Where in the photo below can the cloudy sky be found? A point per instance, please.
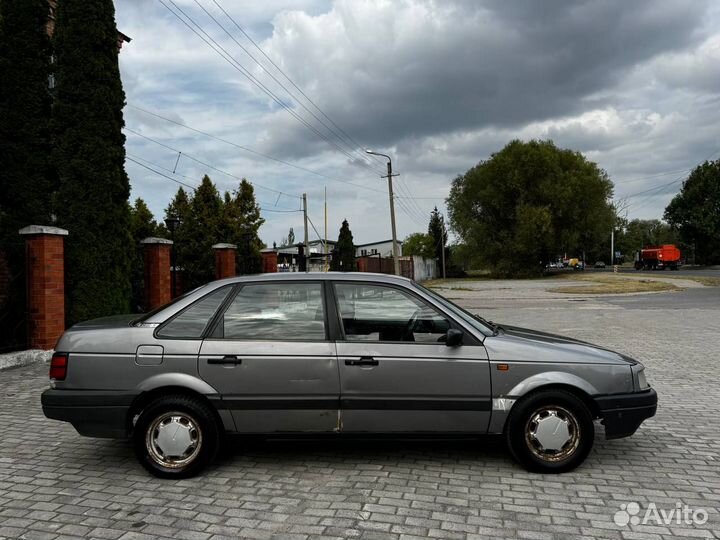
(438, 85)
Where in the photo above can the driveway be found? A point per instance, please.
(56, 484)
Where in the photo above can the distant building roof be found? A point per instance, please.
(376, 243)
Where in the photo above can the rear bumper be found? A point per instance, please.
(622, 414)
(92, 413)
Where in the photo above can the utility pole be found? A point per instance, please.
(442, 241)
(306, 251)
(612, 248)
(326, 244)
(396, 253)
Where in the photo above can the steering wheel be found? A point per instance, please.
(412, 325)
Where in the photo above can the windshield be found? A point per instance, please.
(473, 320)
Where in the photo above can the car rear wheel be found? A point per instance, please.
(176, 436)
(550, 431)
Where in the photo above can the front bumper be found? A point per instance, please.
(92, 413)
(622, 414)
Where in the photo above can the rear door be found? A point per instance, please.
(270, 358)
(397, 374)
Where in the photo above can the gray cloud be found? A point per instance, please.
(439, 85)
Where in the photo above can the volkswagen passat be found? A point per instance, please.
(303, 354)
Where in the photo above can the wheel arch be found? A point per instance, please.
(172, 384)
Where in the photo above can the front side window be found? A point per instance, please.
(191, 322)
(277, 311)
(372, 312)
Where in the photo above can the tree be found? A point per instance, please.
(142, 225)
(89, 153)
(695, 212)
(27, 180)
(246, 225)
(199, 230)
(344, 254)
(438, 234)
(419, 244)
(529, 202)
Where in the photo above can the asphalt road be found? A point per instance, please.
(693, 271)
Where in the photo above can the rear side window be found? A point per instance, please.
(191, 322)
(277, 311)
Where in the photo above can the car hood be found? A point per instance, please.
(114, 321)
(513, 343)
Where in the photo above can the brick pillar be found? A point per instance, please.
(45, 273)
(156, 256)
(225, 260)
(270, 261)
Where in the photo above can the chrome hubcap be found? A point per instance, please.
(552, 433)
(173, 440)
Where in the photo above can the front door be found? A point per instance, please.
(397, 374)
(270, 358)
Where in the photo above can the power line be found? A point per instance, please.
(161, 174)
(213, 44)
(195, 189)
(147, 161)
(289, 92)
(251, 151)
(189, 156)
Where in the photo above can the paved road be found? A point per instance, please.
(690, 271)
(56, 484)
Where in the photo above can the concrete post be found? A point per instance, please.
(225, 260)
(45, 272)
(156, 256)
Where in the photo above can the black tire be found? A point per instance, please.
(540, 405)
(195, 418)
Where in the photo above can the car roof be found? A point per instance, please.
(315, 276)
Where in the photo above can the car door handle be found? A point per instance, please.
(363, 361)
(225, 360)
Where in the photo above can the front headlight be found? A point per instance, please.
(642, 380)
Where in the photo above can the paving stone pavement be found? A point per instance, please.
(56, 484)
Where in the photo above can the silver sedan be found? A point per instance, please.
(305, 354)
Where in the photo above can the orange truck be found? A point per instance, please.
(658, 258)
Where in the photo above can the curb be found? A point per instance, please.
(24, 358)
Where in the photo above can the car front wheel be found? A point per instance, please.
(550, 431)
(176, 436)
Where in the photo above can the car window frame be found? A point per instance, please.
(211, 320)
(469, 338)
(323, 296)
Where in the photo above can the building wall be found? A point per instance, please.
(382, 249)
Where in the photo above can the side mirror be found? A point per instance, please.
(453, 338)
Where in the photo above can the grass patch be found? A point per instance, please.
(612, 285)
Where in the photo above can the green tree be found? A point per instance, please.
(142, 225)
(246, 222)
(200, 229)
(695, 212)
(438, 234)
(343, 259)
(529, 202)
(89, 153)
(26, 177)
(419, 244)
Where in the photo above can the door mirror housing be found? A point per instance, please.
(454, 337)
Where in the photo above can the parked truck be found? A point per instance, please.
(658, 258)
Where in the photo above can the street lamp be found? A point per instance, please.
(171, 223)
(396, 255)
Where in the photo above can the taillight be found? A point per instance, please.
(58, 366)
